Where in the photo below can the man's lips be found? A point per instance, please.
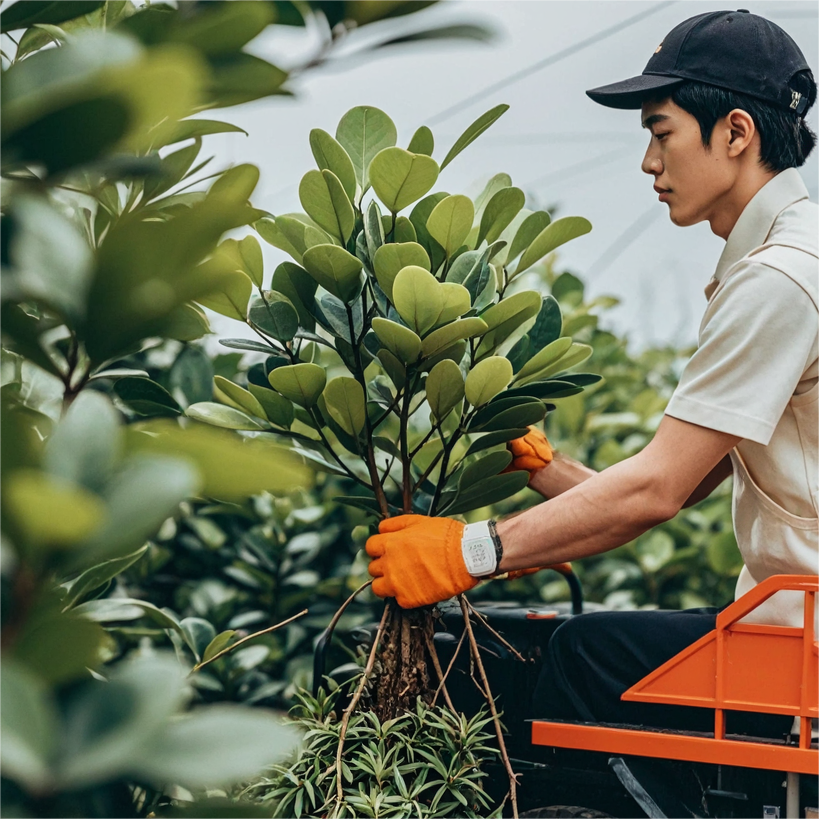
(663, 192)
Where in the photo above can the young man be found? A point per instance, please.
(724, 97)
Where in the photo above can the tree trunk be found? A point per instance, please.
(406, 671)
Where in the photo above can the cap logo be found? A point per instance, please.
(659, 48)
(795, 97)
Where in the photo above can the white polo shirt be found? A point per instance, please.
(756, 375)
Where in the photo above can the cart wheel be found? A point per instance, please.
(565, 811)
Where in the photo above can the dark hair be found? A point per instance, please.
(786, 140)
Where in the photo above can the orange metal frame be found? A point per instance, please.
(737, 666)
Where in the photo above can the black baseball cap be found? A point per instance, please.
(735, 50)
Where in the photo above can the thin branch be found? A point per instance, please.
(485, 623)
(253, 636)
(449, 667)
(336, 457)
(353, 703)
(337, 616)
(491, 702)
(439, 671)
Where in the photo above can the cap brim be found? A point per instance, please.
(631, 93)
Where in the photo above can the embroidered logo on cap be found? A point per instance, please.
(659, 48)
(795, 97)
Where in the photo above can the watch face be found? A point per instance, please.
(479, 556)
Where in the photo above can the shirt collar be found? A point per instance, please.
(755, 222)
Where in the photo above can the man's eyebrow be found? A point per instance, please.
(654, 119)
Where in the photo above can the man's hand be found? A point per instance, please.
(418, 560)
(531, 452)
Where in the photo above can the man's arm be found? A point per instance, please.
(611, 508)
(724, 469)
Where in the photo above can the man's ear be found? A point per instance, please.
(742, 129)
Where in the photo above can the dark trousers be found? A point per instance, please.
(593, 658)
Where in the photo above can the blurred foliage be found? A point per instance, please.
(110, 223)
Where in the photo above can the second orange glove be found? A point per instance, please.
(418, 560)
(531, 452)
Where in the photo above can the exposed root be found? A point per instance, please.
(491, 703)
(441, 677)
(485, 623)
(448, 669)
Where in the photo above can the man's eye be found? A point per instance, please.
(661, 136)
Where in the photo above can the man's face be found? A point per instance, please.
(691, 179)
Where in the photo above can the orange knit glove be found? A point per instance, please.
(418, 560)
(531, 452)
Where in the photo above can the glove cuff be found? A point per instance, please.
(481, 548)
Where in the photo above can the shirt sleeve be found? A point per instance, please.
(758, 336)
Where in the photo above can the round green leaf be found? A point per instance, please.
(551, 237)
(390, 259)
(444, 388)
(146, 397)
(277, 408)
(363, 132)
(487, 492)
(456, 301)
(335, 270)
(528, 231)
(219, 415)
(400, 178)
(330, 156)
(422, 142)
(232, 296)
(548, 355)
(418, 298)
(447, 335)
(404, 230)
(451, 220)
(301, 383)
(576, 354)
(275, 315)
(300, 287)
(251, 255)
(500, 211)
(393, 367)
(486, 379)
(239, 397)
(506, 316)
(344, 398)
(323, 198)
(399, 340)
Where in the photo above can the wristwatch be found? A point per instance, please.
(481, 548)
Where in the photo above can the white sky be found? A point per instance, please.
(560, 147)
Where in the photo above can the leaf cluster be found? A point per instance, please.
(423, 763)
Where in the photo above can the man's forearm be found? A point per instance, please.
(598, 513)
(562, 474)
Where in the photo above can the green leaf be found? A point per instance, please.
(300, 287)
(219, 415)
(391, 258)
(483, 467)
(373, 229)
(97, 576)
(330, 156)
(346, 405)
(399, 340)
(445, 388)
(507, 316)
(654, 549)
(277, 408)
(487, 492)
(422, 142)
(548, 325)
(723, 555)
(576, 354)
(486, 379)
(548, 355)
(500, 211)
(301, 383)
(146, 397)
(335, 270)
(404, 230)
(251, 255)
(73, 512)
(393, 367)
(363, 132)
(190, 128)
(23, 15)
(323, 198)
(237, 397)
(456, 301)
(450, 222)
(418, 217)
(30, 725)
(275, 315)
(232, 296)
(494, 438)
(521, 413)
(400, 178)
(531, 227)
(218, 643)
(551, 388)
(447, 335)
(240, 77)
(474, 131)
(187, 323)
(552, 237)
(418, 298)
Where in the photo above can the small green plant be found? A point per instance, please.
(425, 762)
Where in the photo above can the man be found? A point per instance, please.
(724, 97)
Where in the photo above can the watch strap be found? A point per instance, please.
(481, 549)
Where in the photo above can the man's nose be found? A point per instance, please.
(651, 163)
